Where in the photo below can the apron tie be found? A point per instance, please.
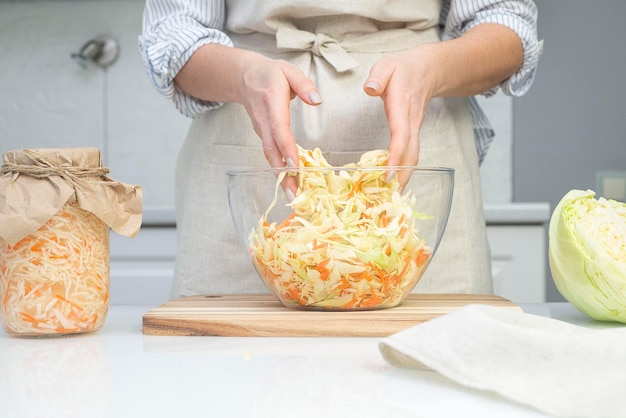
(319, 44)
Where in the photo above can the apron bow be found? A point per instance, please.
(319, 44)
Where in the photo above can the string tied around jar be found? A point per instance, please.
(41, 167)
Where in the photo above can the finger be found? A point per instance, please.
(404, 144)
(302, 86)
(279, 146)
(275, 157)
(271, 121)
(267, 128)
(398, 144)
(279, 118)
(405, 119)
(290, 186)
(412, 159)
(378, 78)
(398, 116)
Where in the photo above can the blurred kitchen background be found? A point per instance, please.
(566, 133)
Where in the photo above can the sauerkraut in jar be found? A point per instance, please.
(56, 280)
(57, 207)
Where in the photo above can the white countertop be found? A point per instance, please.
(119, 372)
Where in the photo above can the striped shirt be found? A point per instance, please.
(173, 30)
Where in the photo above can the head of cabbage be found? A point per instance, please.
(587, 254)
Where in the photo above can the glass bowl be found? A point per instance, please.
(340, 238)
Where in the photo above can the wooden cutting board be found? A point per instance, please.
(264, 316)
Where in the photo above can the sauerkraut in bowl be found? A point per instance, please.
(357, 237)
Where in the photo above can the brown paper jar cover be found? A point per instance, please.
(36, 183)
(56, 208)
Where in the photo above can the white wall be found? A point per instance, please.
(48, 100)
(496, 169)
(571, 126)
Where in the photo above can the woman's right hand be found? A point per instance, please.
(264, 86)
(269, 86)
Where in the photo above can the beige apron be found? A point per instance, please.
(335, 43)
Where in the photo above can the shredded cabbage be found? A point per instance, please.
(587, 253)
(351, 241)
(56, 280)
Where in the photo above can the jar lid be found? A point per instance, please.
(36, 183)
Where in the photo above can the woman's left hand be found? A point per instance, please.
(406, 83)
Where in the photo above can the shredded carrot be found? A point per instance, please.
(28, 318)
(357, 186)
(286, 222)
(61, 330)
(422, 257)
(75, 305)
(324, 271)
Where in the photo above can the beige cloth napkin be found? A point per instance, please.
(558, 368)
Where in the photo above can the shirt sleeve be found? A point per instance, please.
(459, 16)
(172, 31)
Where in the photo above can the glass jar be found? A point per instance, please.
(55, 281)
(56, 208)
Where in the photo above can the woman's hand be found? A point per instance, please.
(267, 88)
(262, 85)
(406, 81)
